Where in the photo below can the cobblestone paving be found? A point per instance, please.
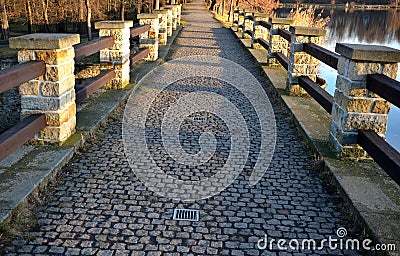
(101, 208)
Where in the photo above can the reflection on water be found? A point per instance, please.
(369, 27)
(379, 27)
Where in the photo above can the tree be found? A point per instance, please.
(5, 30)
(89, 19)
(29, 15)
(122, 10)
(45, 4)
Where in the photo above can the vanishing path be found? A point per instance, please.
(101, 207)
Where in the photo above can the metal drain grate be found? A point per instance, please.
(200, 119)
(186, 214)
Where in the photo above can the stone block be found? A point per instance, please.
(353, 104)
(368, 53)
(307, 31)
(44, 41)
(58, 134)
(113, 24)
(344, 138)
(55, 89)
(390, 70)
(26, 55)
(381, 106)
(59, 72)
(47, 103)
(57, 118)
(31, 88)
(353, 121)
(351, 88)
(358, 71)
(55, 57)
(343, 66)
(281, 21)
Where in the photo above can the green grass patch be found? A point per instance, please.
(7, 53)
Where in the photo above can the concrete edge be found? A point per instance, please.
(84, 133)
(358, 215)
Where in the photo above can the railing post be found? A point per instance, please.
(176, 15)
(247, 23)
(116, 57)
(354, 106)
(235, 18)
(240, 21)
(301, 63)
(53, 94)
(163, 26)
(276, 42)
(259, 31)
(170, 18)
(150, 40)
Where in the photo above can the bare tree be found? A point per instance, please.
(45, 4)
(89, 19)
(5, 30)
(122, 10)
(29, 15)
(81, 17)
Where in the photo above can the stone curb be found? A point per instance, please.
(28, 172)
(370, 194)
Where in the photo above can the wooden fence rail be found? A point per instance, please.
(19, 74)
(12, 77)
(389, 89)
(90, 48)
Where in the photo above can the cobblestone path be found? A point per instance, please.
(100, 207)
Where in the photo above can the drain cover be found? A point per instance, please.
(202, 119)
(186, 214)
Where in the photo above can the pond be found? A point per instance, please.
(378, 27)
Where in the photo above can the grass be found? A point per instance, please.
(7, 53)
(222, 19)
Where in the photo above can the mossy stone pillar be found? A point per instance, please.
(163, 33)
(259, 31)
(116, 57)
(52, 94)
(354, 106)
(247, 23)
(300, 62)
(240, 21)
(276, 42)
(150, 40)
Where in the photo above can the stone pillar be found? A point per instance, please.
(259, 31)
(52, 94)
(116, 57)
(174, 9)
(247, 23)
(170, 18)
(301, 63)
(150, 39)
(235, 18)
(276, 42)
(179, 14)
(163, 37)
(240, 21)
(354, 106)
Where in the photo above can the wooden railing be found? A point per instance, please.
(12, 77)
(387, 88)
(23, 131)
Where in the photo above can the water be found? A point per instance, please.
(378, 27)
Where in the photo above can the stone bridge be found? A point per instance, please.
(210, 153)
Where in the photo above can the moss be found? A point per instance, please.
(7, 53)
